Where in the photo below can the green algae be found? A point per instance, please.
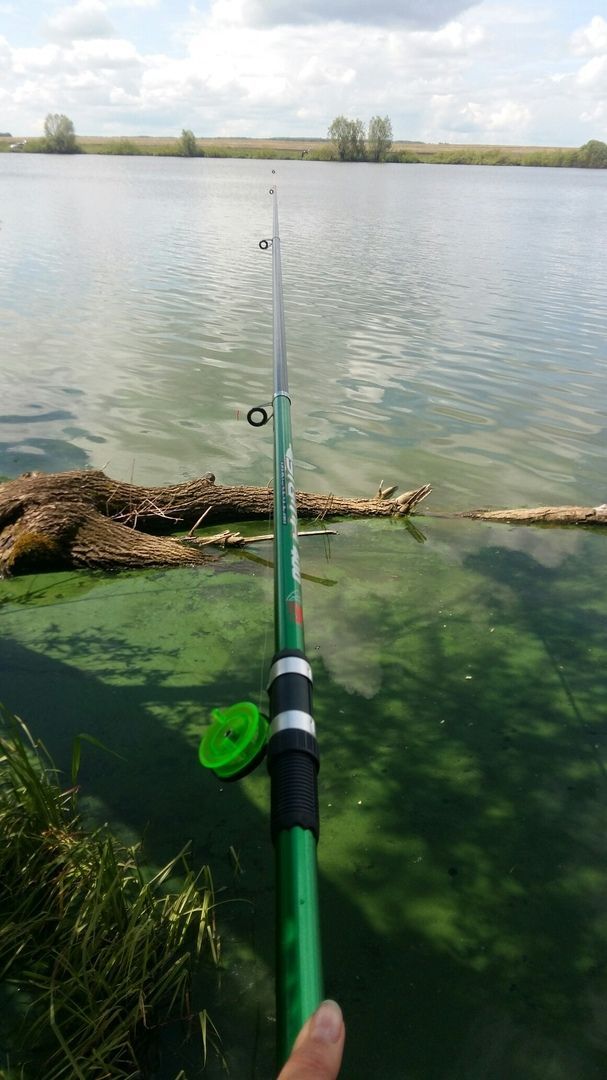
(459, 687)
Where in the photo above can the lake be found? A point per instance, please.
(445, 325)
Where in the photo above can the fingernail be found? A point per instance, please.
(327, 1022)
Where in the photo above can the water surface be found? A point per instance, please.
(445, 325)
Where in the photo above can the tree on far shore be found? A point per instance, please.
(349, 138)
(379, 138)
(59, 135)
(188, 147)
(593, 154)
(351, 143)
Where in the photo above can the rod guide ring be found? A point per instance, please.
(258, 416)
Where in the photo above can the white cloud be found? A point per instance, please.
(499, 119)
(591, 78)
(112, 54)
(86, 19)
(62, 63)
(456, 120)
(316, 72)
(324, 71)
(591, 39)
(34, 61)
(597, 115)
(594, 73)
(225, 13)
(489, 72)
(5, 50)
(452, 39)
(132, 3)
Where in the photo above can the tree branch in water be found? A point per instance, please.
(86, 519)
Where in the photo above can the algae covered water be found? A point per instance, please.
(444, 325)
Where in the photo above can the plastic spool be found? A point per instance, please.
(235, 741)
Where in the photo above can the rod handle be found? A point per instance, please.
(293, 758)
(293, 768)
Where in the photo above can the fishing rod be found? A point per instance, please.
(240, 736)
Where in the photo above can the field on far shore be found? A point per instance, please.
(283, 147)
(297, 146)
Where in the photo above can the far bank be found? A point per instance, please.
(592, 155)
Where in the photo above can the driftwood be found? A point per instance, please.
(85, 519)
(78, 519)
(549, 515)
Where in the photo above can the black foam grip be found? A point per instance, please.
(293, 767)
(290, 691)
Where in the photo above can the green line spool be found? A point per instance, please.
(235, 742)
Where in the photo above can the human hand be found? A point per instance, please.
(319, 1047)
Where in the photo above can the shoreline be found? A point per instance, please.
(297, 149)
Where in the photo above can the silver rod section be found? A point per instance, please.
(281, 382)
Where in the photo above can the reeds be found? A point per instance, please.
(93, 957)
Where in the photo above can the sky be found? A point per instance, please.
(525, 72)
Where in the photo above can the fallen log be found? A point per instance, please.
(85, 519)
(549, 515)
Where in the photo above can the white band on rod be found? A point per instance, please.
(290, 665)
(293, 720)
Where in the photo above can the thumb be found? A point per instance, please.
(319, 1047)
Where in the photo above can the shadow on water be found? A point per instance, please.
(485, 885)
(30, 454)
(462, 864)
(160, 793)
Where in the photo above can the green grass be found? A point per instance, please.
(94, 957)
(501, 156)
(592, 155)
(114, 146)
(251, 152)
(172, 149)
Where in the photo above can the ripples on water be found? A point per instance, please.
(470, 338)
(444, 323)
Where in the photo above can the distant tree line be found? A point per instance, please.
(350, 141)
(354, 144)
(60, 138)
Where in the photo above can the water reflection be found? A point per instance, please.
(435, 315)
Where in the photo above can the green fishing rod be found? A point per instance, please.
(237, 740)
